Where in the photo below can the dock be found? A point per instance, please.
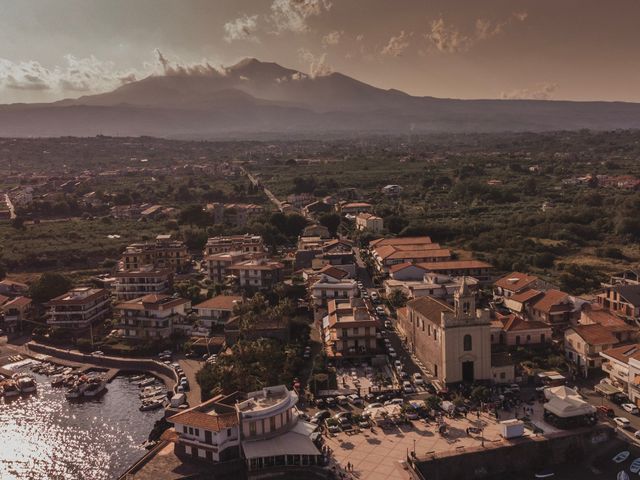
(6, 373)
(109, 374)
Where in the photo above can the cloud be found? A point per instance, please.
(242, 28)
(332, 38)
(292, 15)
(167, 67)
(78, 75)
(541, 91)
(448, 38)
(318, 66)
(397, 44)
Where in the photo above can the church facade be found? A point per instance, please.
(453, 342)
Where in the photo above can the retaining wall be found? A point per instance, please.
(517, 456)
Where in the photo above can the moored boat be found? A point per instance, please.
(137, 378)
(153, 404)
(147, 382)
(26, 384)
(10, 388)
(76, 391)
(94, 388)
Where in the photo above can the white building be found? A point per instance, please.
(146, 280)
(79, 308)
(370, 222)
(153, 316)
(216, 310)
(331, 283)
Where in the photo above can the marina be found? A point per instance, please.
(94, 436)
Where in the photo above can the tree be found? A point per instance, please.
(332, 222)
(397, 298)
(18, 222)
(195, 215)
(48, 286)
(395, 223)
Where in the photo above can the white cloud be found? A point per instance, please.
(292, 15)
(448, 38)
(242, 28)
(78, 75)
(164, 66)
(318, 66)
(332, 38)
(541, 91)
(396, 44)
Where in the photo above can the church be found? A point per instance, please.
(453, 342)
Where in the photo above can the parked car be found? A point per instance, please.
(373, 405)
(98, 353)
(392, 352)
(388, 325)
(607, 411)
(333, 429)
(636, 434)
(319, 416)
(355, 400)
(375, 297)
(370, 397)
(394, 401)
(407, 387)
(417, 379)
(631, 408)
(342, 400)
(330, 402)
(622, 422)
(364, 423)
(620, 398)
(340, 415)
(345, 423)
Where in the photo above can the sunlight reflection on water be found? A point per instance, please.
(43, 436)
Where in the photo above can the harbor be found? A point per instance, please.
(45, 433)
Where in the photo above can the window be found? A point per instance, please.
(503, 375)
(517, 339)
(542, 338)
(228, 432)
(252, 429)
(467, 343)
(272, 424)
(197, 432)
(190, 430)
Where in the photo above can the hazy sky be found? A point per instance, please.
(558, 49)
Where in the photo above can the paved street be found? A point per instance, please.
(190, 368)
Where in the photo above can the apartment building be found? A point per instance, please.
(79, 308)
(331, 283)
(130, 284)
(257, 273)
(218, 264)
(388, 252)
(15, 312)
(369, 222)
(216, 310)
(153, 316)
(164, 252)
(349, 329)
(234, 243)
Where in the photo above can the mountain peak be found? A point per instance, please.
(245, 62)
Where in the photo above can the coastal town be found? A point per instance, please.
(307, 336)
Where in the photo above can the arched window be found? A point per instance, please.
(467, 343)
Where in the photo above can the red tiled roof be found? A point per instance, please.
(429, 307)
(515, 281)
(402, 266)
(624, 352)
(334, 272)
(205, 415)
(525, 296)
(17, 302)
(400, 241)
(220, 302)
(595, 334)
(3, 299)
(599, 315)
(514, 323)
(552, 300)
(455, 264)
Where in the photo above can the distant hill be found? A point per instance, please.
(254, 97)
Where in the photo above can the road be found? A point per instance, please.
(362, 272)
(12, 210)
(190, 368)
(596, 400)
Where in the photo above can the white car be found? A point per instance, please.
(394, 401)
(407, 387)
(371, 406)
(631, 408)
(374, 296)
(392, 353)
(622, 422)
(417, 379)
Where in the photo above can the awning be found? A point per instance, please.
(296, 441)
(606, 389)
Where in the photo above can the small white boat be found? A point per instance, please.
(622, 475)
(152, 392)
(147, 382)
(57, 380)
(548, 473)
(635, 466)
(151, 405)
(76, 391)
(10, 388)
(94, 388)
(26, 384)
(621, 457)
(137, 378)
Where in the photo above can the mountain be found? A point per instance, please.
(254, 97)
